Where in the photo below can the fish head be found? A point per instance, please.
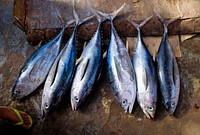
(46, 105)
(126, 100)
(76, 97)
(20, 90)
(170, 106)
(149, 108)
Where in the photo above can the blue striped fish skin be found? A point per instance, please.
(34, 71)
(87, 70)
(146, 76)
(60, 76)
(120, 72)
(168, 72)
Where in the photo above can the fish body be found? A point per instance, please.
(87, 70)
(119, 67)
(146, 77)
(168, 73)
(120, 72)
(34, 71)
(61, 74)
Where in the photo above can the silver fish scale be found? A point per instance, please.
(120, 72)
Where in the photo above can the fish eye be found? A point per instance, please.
(150, 108)
(46, 106)
(16, 91)
(124, 102)
(76, 99)
(172, 104)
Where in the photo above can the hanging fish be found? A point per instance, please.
(88, 68)
(168, 72)
(146, 77)
(60, 76)
(34, 71)
(120, 70)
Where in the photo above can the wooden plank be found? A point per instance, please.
(41, 19)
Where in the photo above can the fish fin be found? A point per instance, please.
(54, 68)
(99, 18)
(154, 54)
(86, 19)
(84, 44)
(77, 19)
(111, 16)
(127, 44)
(104, 55)
(168, 22)
(63, 21)
(40, 43)
(78, 61)
(145, 79)
(99, 76)
(145, 21)
(118, 68)
(85, 68)
(115, 13)
(164, 22)
(139, 26)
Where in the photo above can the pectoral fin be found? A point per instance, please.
(118, 68)
(78, 61)
(145, 79)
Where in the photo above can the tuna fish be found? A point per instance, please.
(60, 76)
(168, 73)
(88, 68)
(146, 77)
(34, 71)
(120, 70)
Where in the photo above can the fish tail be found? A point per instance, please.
(76, 17)
(116, 12)
(139, 26)
(110, 16)
(99, 18)
(64, 23)
(164, 22)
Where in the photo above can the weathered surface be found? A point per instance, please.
(40, 22)
(100, 114)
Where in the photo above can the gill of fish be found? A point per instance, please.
(88, 68)
(146, 77)
(120, 70)
(60, 76)
(168, 73)
(35, 69)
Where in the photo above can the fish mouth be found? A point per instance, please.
(74, 108)
(149, 115)
(171, 111)
(43, 114)
(129, 109)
